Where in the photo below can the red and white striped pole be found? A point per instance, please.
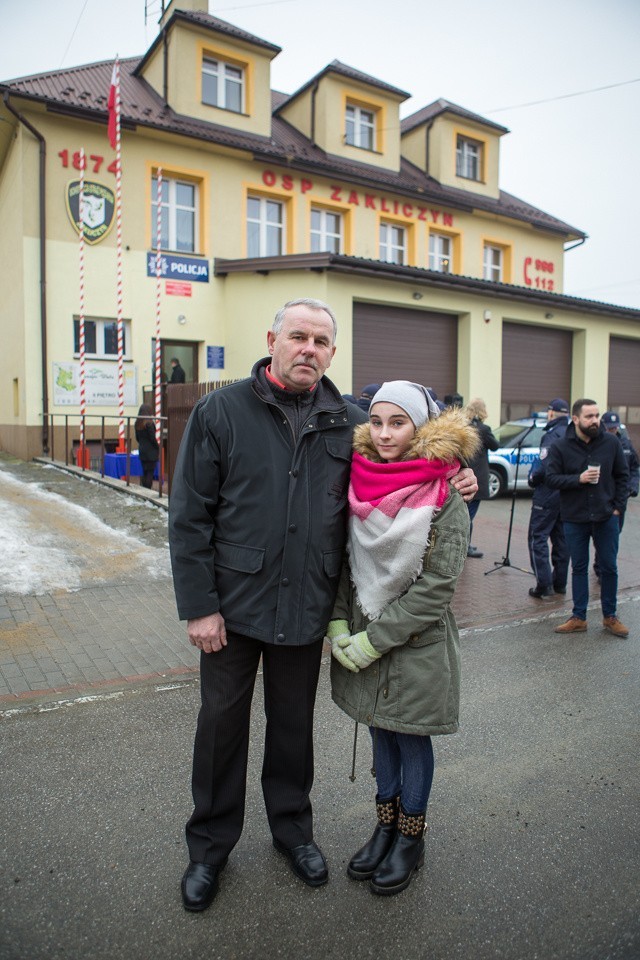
(121, 431)
(158, 299)
(83, 399)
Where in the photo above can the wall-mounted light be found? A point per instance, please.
(548, 316)
(487, 316)
(182, 319)
(416, 295)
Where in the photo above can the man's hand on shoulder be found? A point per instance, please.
(207, 633)
(466, 483)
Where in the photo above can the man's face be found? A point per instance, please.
(303, 349)
(588, 421)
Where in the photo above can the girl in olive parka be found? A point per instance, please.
(396, 660)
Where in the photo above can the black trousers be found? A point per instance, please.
(227, 680)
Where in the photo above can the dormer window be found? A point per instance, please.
(360, 127)
(469, 158)
(222, 84)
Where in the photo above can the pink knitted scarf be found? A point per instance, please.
(391, 508)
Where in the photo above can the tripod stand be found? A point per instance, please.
(506, 562)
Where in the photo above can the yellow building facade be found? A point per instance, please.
(435, 274)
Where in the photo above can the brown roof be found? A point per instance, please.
(352, 74)
(445, 106)
(419, 276)
(214, 24)
(82, 92)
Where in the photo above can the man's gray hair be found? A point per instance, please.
(306, 302)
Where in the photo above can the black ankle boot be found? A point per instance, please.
(364, 862)
(405, 856)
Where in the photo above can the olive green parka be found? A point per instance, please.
(415, 686)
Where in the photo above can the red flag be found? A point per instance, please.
(111, 104)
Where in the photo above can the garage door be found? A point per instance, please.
(624, 384)
(536, 368)
(393, 343)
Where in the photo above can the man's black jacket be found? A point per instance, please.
(257, 516)
(588, 502)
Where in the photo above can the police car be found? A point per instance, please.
(526, 432)
(519, 444)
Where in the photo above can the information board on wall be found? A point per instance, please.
(101, 384)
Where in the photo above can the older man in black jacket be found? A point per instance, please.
(257, 533)
(588, 467)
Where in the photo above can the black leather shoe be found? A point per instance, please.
(306, 861)
(474, 552)
(199, 885)
(541, 593)
(559, 589)
(363, 863)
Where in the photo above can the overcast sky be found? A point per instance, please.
(574, 156)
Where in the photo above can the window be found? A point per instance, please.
(222, 85)
(100, 338)
(179, 215)
(492, 263)
(265, 227)
(360, 128)
(440, 253)
(469, 158)
(326, 231)
(392, 243)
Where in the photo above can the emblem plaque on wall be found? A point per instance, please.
(98, 208)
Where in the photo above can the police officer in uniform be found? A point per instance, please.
(611, 421)
(545, 524)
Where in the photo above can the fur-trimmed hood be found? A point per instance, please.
(449, 437)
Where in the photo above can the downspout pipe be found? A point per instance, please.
(578, 243)
(43, 267)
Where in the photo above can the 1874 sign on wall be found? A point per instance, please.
(98, 208)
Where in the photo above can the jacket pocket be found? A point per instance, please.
(447, 552)
(433, 634)
(338, 466)
(237, 556)
(332, 562)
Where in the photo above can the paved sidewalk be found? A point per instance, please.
(115, 634)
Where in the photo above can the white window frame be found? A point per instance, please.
(100, 324)
(360, 127)
(173, 208)
(469, 158)
(493, 263)
(322, 237)
(440, 253)
(264, 223)
(389, 250)
(223, 73)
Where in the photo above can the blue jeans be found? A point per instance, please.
(403, 765)
(605, 539)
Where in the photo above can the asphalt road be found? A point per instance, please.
(533, 850)
(534, 846)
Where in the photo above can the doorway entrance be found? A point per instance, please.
(185, 353)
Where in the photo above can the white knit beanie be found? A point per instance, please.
(413, 398)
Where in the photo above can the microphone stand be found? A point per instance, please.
(506, 562)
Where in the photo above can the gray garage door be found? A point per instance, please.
(624, 384)
(536, 368)
(393, 343)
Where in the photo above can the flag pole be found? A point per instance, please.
(81, 331)
(121, 432)
(158, 366)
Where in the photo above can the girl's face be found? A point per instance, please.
(392, 430)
